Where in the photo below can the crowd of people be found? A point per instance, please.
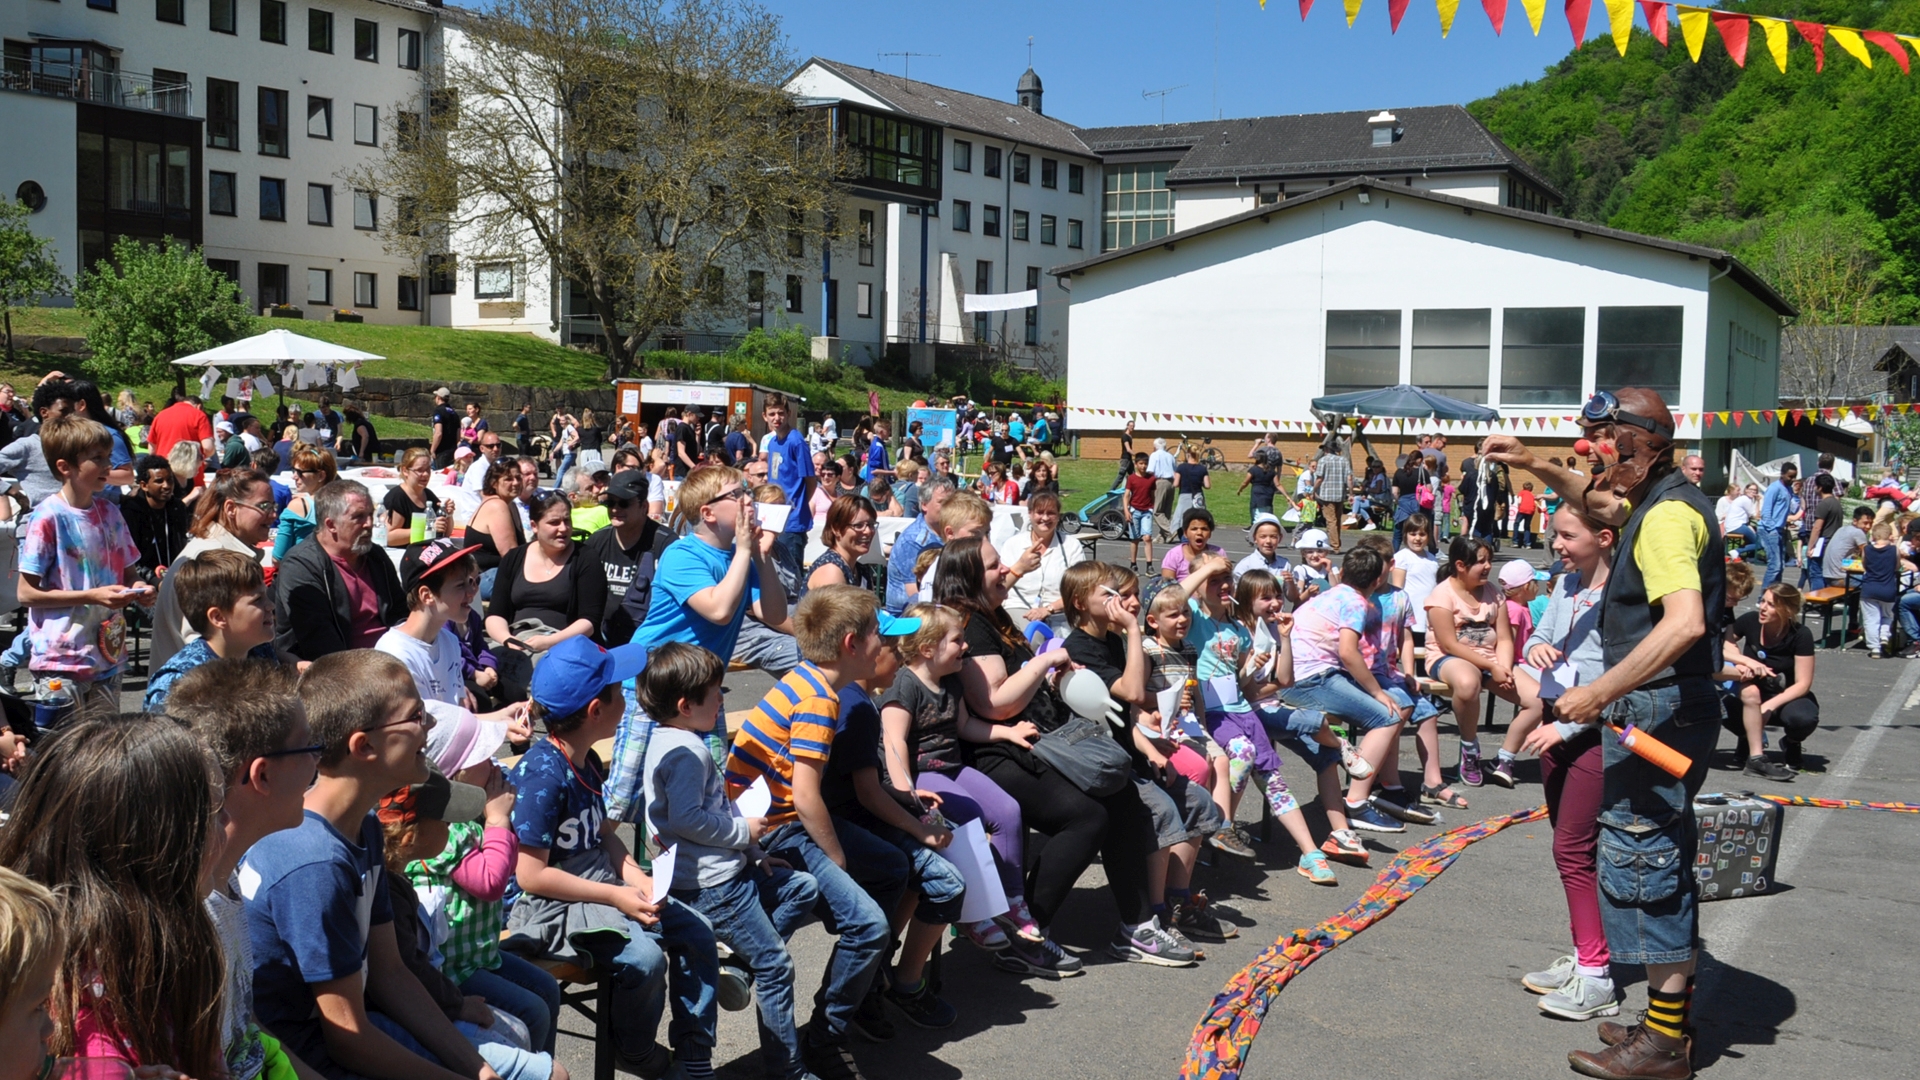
(373, 796)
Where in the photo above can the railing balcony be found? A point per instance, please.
(124, 89)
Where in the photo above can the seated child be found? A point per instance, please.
(32, 940)
(224, 597)
(1177, 734)
(582, 896)
(754, 903)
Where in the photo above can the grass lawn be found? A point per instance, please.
(1082, 481)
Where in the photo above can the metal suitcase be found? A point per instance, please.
(1739, 844)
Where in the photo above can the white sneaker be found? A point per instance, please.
(1356, 766)
(1583, 998)
(1557, 975)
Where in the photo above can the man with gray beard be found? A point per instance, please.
(333, 592)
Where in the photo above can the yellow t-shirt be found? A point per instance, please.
(1672, 538)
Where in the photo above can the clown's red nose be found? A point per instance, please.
(1583, 447)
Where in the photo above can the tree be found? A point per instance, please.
(644, 152)
(151, 304)
(28, 268)
(1826, 266)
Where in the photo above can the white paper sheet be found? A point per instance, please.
(262, 386)
(772, 516)
(1218, 691)
(348, 378)
(755, 801)
(233, 387)
(971, 855)
(1557, 680)
(207, 379)
(1169, 705)
(663, 873)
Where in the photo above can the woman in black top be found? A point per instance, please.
(360, 442)
(1408, 479)
(412, 496)
(1260, 480)
(495, 528)
(848, 535)
(591, 435)
(1004, 683)
(546, 591)
(1776, 676)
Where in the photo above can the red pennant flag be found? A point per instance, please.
(1736, 419)
(1826, 414)
(1395, 9)
(1496, 14)
(1891, 44)
(1305, 6)
(1656, 12)
(1816, 35)
(1577, 19)
(1733, 33)
(1799, 415)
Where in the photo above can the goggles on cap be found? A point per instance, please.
(1604, 408)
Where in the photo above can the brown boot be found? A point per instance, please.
(1644, 1054)
(1613, 1034)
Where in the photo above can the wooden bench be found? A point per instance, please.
(1822, 602)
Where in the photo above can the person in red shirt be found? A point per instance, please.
(1140, 510)
(1524, 505)
(181, 421)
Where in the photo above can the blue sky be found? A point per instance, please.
(1096, 59)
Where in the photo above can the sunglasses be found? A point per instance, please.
(734, 493)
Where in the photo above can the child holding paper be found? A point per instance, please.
(1170, 665)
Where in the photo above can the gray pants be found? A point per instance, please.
(1163, 491)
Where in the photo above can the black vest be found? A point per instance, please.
(1625, 616)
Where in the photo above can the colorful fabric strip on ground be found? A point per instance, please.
(1842, 804)
(1225, 1035)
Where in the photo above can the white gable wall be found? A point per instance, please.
(1194, 206)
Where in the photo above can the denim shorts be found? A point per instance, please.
(1142, 524)
(1334, 693)
(1294, 729)
(1647, 835)
(1181, 809)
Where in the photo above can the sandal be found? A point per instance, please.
(1443, 795)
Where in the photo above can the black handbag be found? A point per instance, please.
(1083, 752)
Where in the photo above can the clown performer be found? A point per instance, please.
(1660, 661)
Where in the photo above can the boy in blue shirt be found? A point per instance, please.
(789, 464)
(580, 895)
(328, 980)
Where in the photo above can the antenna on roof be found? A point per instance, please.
(907, 60)
(1162, 95)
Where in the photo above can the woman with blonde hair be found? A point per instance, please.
(412, 496)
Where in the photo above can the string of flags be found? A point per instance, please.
(1735, 29)
(1735, 418)
(304, 376)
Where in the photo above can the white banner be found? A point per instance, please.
(1012, 301)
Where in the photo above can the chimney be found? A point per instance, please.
(1027, 93)
(1386, 128)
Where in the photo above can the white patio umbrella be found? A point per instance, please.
(284, 351)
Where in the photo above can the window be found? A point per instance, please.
(1073, 232)
(222, 16)
(220, 194)
(1049, 173)
(866, 238)
(713, 286)
(982, 284)
(831, 306)
(226, 268)
(366, 290)
(1021, 168)
(1640, 346)
(1363, 350)
(962, 216)
(1541, 351)
(366, 210)
(756, 299)
(863, 300)
(962, 156)
(319, 286)
(407, 296)
(1137, 207)
(366, 40)
(1019, 224)
(319, 30)
(104, 5)
(1047, 225)
(320, 204)
(991, 166)
(366, 125)
(794, 296)
(441, 270)
(406, 129)
(1033, 313)
(492, 280)
(173, 11)
(273, 284)
(223, 114)
(273, 122)
(1076, 178)
(891, 153)
(1450, 352)
(410, 49)
(319, 117)
(989, 221)
(273, 199)
(796, 235)
(273, 25)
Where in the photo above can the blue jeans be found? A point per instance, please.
(761, 646)
(849, 912)
(1648, 900)
(1813, 574)
(938, 881)
(755, 914)
(1334, 693)
(511, 1062)
(1774, 543)
(520, 988)
(796, 545)
(1294, 729)
(679, 954)
(1909, 609)
(1752, 540)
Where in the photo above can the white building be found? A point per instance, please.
(1369, 283)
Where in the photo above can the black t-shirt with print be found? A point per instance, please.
(933, 728)
(1107, 658)
(1777, 653)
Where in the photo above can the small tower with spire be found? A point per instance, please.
(1028, 92)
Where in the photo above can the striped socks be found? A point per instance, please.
(1667, 1013)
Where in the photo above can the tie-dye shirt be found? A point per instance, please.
(1316, 630)
(77, 550)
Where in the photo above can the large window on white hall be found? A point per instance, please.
(1640, 346)
(1450, 351)
(1541, 350)
(1363, 350)
(1137, 206)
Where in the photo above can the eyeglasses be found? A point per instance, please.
(417, 716)
(266, 507)
(733, 493)
(298, 471)
(315, 751)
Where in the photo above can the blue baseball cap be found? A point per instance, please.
(575, 671)
(897, 626)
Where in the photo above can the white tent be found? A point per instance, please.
(301, 361)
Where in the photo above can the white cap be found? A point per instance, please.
(1515, 574)
(1312, 540)
(460, 739)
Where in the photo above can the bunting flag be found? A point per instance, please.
(1497, 15)
(1447, 9)
(1536, 11)
(1733, 34)
(1693, 30)
(1305, 6)
(1850, 41)
(1891, 45)
(1816, 36)
(1396, 10)
(1577, 12)
(1779, 416)
(1353, 10)
(1798, 415)
(1620, 16)
(1776, 31)
(1656, 13)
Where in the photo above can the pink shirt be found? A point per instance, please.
(484, 873)
(1177, 561)
(363, 602)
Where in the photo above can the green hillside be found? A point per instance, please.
(1768, 165)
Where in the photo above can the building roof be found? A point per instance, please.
(1443, 138)
(957, 109)
(1735, 269)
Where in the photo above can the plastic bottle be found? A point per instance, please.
(53, 701)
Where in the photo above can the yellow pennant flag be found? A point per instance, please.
(1725, 418)
(1693, 27)
(1776, 39)
(1779, 416)
(1913, 42)
(1620, 14)
(1353, 11)
(1448, 9)
(1850, 41)
(1536, 10)
(1873, 412)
